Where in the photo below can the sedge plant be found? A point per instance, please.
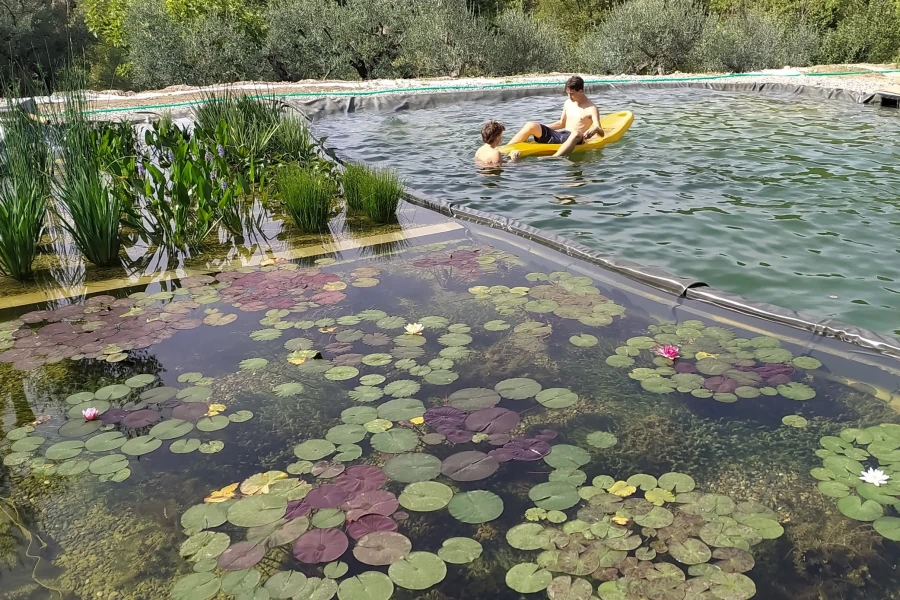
(308, 197)
(376, 191)
(25, 174)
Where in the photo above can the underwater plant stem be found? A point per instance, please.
(14, 519)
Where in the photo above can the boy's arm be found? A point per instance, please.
(561, 123)
(595, 124)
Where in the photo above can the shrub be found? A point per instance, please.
(750, 40)
(443, 37)
(307, 197)
(25, 170)
(522, 44)
(870, 32)
(156, 50)
(645, 36)
(304, 40)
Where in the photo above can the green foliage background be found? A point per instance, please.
(156, 43)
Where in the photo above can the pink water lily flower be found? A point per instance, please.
(667, 351)
(90, 414)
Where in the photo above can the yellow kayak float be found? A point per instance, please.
(614, 127)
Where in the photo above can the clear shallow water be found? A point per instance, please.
(792, 201)
(315, 349)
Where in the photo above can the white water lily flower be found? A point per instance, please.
(876, 477)
(415, 328)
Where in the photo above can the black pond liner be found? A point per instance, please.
(688, 295)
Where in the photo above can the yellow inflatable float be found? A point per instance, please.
(614, 127)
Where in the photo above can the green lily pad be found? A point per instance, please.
(196, 586)
(472, 399)
(556, 397)
(478, 506)
(341, 373)
(358, 415)
(140, 445)
(314, 449)
(834, 489)
(796, 391)
(76, 411)
(240, 582)
(855, 508)
(497, 325)
(518, 388)
(601, 439)
(731, 586)
(584, 340)
(204, 545)
(317, 588)
(409, 341)
(528, 578)
(139, 381)
(888, 527)
(27, 444)
(441, 377)
(412, 467)
(690, 552)
(335, 570)
(528, 536)
(372, 314)
(453, 352)
(285, 584)
(565, 456)
(16, 458)
(240, 416)
(194, 394)
(460, 550)
(619, 361)
(347, 453)
(564, 587)
(258, 510)
(401, 409)
(202, 516)
(370, 585)
(659, 385)
(328, 517)
(365, 394)
(251, 364)
(573, 477)
(112, 392)
(554, 495)
(64, 450)
(171, 429)
(391, 323)
(402, 388)
(213, 423)
(265, 335)
(794, 421)
(657, 518)
(806, 362)
(378, 359)
(425, 496)
(185, 446)
(76, 398)
(394, 441)
(773, 355)
(72, 467)
(286, 390)
(677, 482)
(418, 571)
(346, 434)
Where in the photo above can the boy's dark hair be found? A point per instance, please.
(575, 84)
(490, 131)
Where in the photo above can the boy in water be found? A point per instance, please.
(492, 136)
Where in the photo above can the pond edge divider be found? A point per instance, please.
(654, 277)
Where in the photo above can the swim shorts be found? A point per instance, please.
(552, 136)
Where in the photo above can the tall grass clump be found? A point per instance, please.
(90, 203)
(352, 182)
(25, 173)
(377, 191)
(292, 141)
(308, 197)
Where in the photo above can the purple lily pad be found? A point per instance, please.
(321, 546)
(400, 515)
(191, 411)
(528, 449)
(141, 418)
(369, 523)
(469, 466)
(361, 478)
(240, 556)
(546, 435)
(326, 496)
(378, 502)
(492, 420)
(113, 415)
(778, 379)
(458, 436)
(444, 416)
(720, 385)
(498, 439)
(685, 367)
(503, 455)
(297, 508)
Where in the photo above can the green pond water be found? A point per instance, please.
(783, 199)
(526, 442)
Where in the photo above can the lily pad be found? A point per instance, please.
(341, 373)
(140, 445)
(731, 586)
(64, 450)
(401, 409)
(252, 364)
(855, 508)
(394, 441)
(601, 439)
(328, 518)
(677, 482)
(796, 391)
(402, 388)
(171, 429)
(518, 388)
(794, 421)
(314, 449)
(257, 510)
(556, 397)
(565, 588)
(460, 550)
(346, 434)
(112, 392)
(185, 446)
(335, 570)
(196, 586)
(413, 467)
(321, 546)
(365, 393)
(469, 466)
(286, 390)
(240, 582)
(425, 496)
(382, 548)
(240, 556)
(478, 506)
(554, 495)
(317, 589)
(79, 428)
(370, 585)
(690, 552)
(565, 456)
(584, 340)
(528, 578)
(202, 516)
(418, 571)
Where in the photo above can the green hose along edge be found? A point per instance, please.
(447, 88)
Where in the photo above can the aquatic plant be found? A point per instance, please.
(667, 351)
(414, 328)
(857, 470)
(714, 363)
(25, 172)
(308, 197)
(373, 190)
(90, 414)
(293, 142)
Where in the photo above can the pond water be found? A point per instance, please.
(272, 431)
(788, 200)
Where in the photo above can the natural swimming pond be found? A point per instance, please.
(790, 200)
(273, 431)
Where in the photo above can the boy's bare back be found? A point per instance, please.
(492, 136)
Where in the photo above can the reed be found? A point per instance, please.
(251, 124)
(292, 141)
(25, 173)
(308, 197)
(352, 181)
(378, 192)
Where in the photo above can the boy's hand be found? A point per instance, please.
(592, 132)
